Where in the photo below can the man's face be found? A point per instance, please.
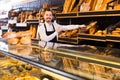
(48, 16)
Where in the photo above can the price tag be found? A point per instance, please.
(21, 25)
(3, 46)
(12, 21)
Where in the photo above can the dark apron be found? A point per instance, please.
(51, 32)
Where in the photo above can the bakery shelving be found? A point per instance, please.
(32, 21)
(91, 37)
(89, 14)
(69, 40)
(112, 38)
(104, 19)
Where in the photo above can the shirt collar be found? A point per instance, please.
(48, 24)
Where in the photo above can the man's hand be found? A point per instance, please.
(82, 26)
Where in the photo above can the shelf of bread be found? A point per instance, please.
(92, 37)
(99, 13)
(69, 36)
(17, 70)
(113, 35)
(89, 14)
(24, 54)
(92, 32)
(66, 15)
(113, 38)
(14, 69)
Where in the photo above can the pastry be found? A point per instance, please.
(13, 40)
(25, 40)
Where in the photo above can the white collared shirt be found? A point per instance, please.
(41, 32)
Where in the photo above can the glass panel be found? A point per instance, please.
(91, 62)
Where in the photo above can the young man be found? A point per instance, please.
(49, 30)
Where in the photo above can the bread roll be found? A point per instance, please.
(10, 35)
(13, 40)
(115, 32)
(30, 17)
(104, 32)
(117, 29)
(25, 40)
(99, 32)
(74, 32)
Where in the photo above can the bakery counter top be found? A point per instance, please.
(72, 61)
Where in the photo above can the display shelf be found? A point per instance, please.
(27, 60)
(92, 37)
(66, 15)
(107, 38)
(70, 40)
(73, 54)
(32, 21)
(88, 57)
(103, 18)
(89, 14)
(112, 38)
(99, 13)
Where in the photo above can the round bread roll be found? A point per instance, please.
(10, 35)
(25, 40)
(13, 40)
(118, 29)
(115, 33)
(104, 32)
(99, 32)
(30, 17)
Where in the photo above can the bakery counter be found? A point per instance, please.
(78, 62)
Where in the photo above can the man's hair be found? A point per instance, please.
(48, 9)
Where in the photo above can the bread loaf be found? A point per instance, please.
(10, 35)
(13, 41)
(99, 32)
(25, 40)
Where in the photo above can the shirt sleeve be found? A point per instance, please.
(67, 27)
(44, 36)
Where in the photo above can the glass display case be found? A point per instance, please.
(74, 62)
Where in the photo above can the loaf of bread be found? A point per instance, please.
(99, 32)
(117, 7)
(24, 33)
(13, 41)
(10, 35)
(115, 32)
(117, 29)
(25, 40)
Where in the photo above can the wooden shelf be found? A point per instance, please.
(89, 14)
(91, 37)
(113, 38)
(32, 21)
(69, 40)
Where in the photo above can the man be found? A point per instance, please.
(49, 30)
